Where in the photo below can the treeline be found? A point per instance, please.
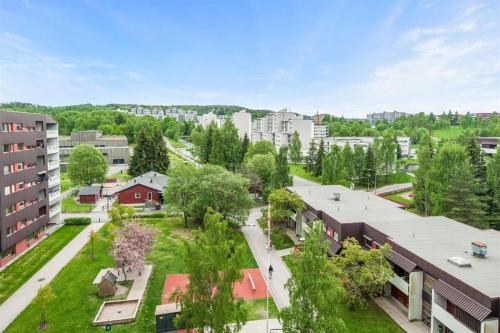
(260, 163)
(345, 165)
(416, 126)
(104, 118)
(460, 182)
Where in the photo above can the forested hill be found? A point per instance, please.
(199, 109)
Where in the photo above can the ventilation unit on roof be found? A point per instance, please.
(459, 261)
(479, 249)
(336, 196)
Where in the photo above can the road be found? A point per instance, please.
(257, 241)
(182, 152)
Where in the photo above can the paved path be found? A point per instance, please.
(393, 188)
(399, 316)
(16, 303)
(257, 241)
(298, 181)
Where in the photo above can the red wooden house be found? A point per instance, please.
(146, 188)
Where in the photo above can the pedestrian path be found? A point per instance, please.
(257, 242)
(394, 311)
(16, 303)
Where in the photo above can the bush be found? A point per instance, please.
(77, 220)
(151, 216)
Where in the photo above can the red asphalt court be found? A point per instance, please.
(241, 289)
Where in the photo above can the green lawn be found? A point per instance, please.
(69, 205)
(77, 301)
(257, 309)
(16, 274)
(399, 198)
(176, 144)
(121, 176)
(298, 170)
(279, 238)
(371, 320)
(447, 133)
(66, 183)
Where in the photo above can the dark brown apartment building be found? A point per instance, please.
(29, 180)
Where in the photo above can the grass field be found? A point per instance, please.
(76, 302)
(298, 170)
(398, 197)
(66, 183)
(446, 133)
(17, 273)
(121, 176)
(370, 320)
(69, 205)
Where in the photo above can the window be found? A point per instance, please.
(19, 127)
(8, 210)
(20, 146)
(7, 190)
(150, 195)
(5, 127)
(6, 148)
(10, 230)
(137, 195)
(6, 170)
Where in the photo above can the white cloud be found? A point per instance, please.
(133, 75)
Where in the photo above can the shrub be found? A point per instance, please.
(151, 216)
(77, 220)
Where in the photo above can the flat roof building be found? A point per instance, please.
(114, 147)
(439, 279)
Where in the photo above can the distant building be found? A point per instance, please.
(364, 141)
(387, 116)
(146, 188)
(160, 113)
(114, 147)
(243, 122)
(489, 144)
(317, 118)
(483, 115)
(29, 180)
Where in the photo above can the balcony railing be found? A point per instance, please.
(52, 133)
(55, 210)
(52, 149)
(53, 164)
(54, 181)
(54, 197)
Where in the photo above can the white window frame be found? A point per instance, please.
(137, 195)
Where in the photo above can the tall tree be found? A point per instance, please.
(311, 157)
(179, 190)
(261, 147)
(320, 155)
(207, 143)
(359, 161)
(493, 182)
(86, 165)
(334, 171)
(231, 145)
(363, 273)
(295, 148)
(283, 205)
(315, 293)
(422, 181)
(462, 201)
(263, 165)
(387, 152)
(476, 158)
(213, 264)
(245, 143)
(370, 170)
(348, 161)
(161, 161)
(150, 153)
(282, 175)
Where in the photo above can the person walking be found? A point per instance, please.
(271, 269)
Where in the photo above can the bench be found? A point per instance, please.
(252, 283)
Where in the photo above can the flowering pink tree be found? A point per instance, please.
(131, 245)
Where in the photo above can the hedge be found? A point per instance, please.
(77, 220)
(150, 216)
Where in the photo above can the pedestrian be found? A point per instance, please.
(271, 269)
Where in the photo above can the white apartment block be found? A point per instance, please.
(242, 120)
(159, 113)
(403, 141)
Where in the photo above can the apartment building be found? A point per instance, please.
(447, 273)
(160, 113)
(114, 147)
(29, 180)
(242, 120)
(384, 116)
(404, 142)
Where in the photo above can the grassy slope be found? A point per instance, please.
(447, 133)
(298, 170)
(65, 182)
(371, 320)
(76, 301)
(69, 205)
(26, 266)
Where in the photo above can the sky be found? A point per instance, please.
(346, 58)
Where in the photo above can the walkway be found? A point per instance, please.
(299, 181)
(394, 188)
(16, 303)
(399, 316)
(257, 241)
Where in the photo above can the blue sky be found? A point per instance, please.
(341, 57)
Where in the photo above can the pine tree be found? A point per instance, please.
(493, 183)
(138, 160)
(295, 148)
(320, 155)
(150, 153)
(311, 157)
(476, 158)
(161, 160)
(370, 171)
(462, 201)
(206, 149)
(245, 143)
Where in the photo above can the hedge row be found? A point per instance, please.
(77, 220)
(151, 216)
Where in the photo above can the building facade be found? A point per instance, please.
(114, 148)
(384, 116)
(404, 143)
(29, 180)
(489, 145)
(447, 273)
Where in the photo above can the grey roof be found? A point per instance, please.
(89, 190)
(152, 179)
(110, 277)
(433, 238)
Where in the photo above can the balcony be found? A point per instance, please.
(54, 197)
(54, 181)
(54, 164)
(55, 210)
(52, 149)
(443, 317)
(400, 283)
(53, 133)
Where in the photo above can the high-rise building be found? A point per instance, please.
(243, 122)
(387, 116)
(29, 180)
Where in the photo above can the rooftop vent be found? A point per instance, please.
(459, 261)
(336, 196)
(479, 249)
(151, 181)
